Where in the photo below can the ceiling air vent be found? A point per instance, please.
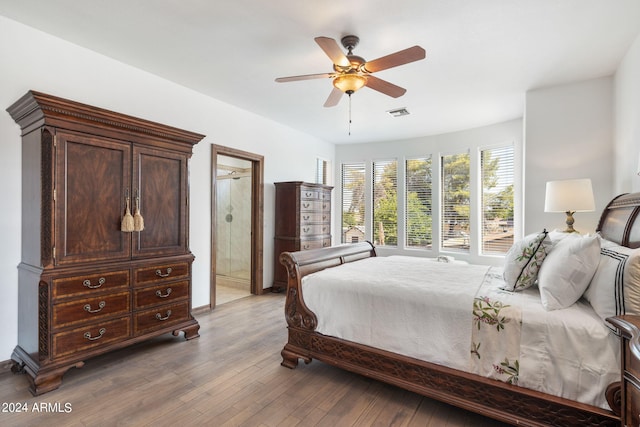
(399, 112)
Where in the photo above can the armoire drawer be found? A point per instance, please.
(88, 284)
(91, 336)
(156, 273)
(160, 317)
(162, 294)
(90, 309)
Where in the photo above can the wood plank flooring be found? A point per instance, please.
(230, 376)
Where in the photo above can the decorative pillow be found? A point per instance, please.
(523, 260)
(567, 271)
(556, 236)
(615, 287)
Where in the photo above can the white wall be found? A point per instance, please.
(455, 142)
(627, 121)
(34, 60)
(568, 134)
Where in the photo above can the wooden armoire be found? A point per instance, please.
(303, 221)
(86, 286)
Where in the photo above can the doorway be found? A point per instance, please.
(236, 225)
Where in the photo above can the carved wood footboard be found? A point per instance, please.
(492, 398)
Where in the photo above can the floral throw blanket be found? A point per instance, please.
(568, 353)
(496, 333)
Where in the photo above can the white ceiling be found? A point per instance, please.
(482, 55)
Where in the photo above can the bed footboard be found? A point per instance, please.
(297, 314)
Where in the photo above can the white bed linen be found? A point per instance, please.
(424, 309)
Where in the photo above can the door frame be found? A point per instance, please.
(257, 216)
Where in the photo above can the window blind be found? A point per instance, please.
(385, 203)
(418, 217)
(497, 199)
(455, 203)
(353, 213)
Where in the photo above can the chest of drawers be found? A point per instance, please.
(303, 221)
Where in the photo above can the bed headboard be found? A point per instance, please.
(619, 221)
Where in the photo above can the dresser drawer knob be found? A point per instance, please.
(101, 304)
(160, 274)
(101, 332)
(87, 283)
(159, 316)
(161, 295)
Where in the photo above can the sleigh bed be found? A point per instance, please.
(561, 365)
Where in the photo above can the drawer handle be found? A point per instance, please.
(305, 247)
(159, 293)
(159, 316)
(325, 244)
(87, 283)
(305, 229)
(101, 332)
(306, 217)
(160, 274)
(101, 304)
(305, 205)
(308, 194)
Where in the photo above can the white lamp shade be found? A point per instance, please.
(569, 195)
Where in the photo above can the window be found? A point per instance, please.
(418, 219)
(385, 203)
(321, 171)
(461, 203)
(496, 168)
(455, 204)
(353, 213)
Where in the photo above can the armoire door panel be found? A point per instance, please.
(92, 180)
(160, 182)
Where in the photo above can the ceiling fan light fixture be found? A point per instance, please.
(349, 83)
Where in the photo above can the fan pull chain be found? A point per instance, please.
(349, 111)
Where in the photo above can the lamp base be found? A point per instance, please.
(569, 223)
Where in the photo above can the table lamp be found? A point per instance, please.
(569, 196)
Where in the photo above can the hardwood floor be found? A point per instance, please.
(230, 376)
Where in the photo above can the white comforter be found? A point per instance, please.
(456, 315)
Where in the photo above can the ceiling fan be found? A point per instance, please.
(352, 72)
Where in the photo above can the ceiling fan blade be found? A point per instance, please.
(333, 51)
(385, 87)
(334, 98)
(402, 57)
(305, 77)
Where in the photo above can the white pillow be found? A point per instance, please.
(523, 260)
(556, 236)
(567, 270)
(615, 287)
